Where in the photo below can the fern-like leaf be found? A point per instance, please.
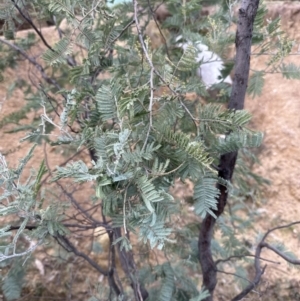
(187, 61)
(290, 71)
(205, 194)
(106, 103)
(60, 50)
(168, 284)
(195, 149)
(256, 83)
(148, 192)
(12, 284)
(203, 294)
(237, 140)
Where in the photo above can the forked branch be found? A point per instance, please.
(258, 270)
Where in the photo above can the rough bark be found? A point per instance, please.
(247, 13)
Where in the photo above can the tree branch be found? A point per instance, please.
(278, 228)
(258, 271)
(70, 60)
(247, 14)
(241, 257)
(129, 267)
(29, 21)
(68, 246)
(82, 210)
(281, 254)
(33, 62)
(159, 29)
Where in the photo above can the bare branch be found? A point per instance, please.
(122, 32)
(68, 246)
(70, 61)
(159, 29)
(33, 62)
(278, 228)
(281, 254)
(112, 262)
(153, 69)
(129, 267)
(252, 285)
(79, 207)
(241, 257)
(258, 271)
(29, 21)
(235, 275)
(25, 253)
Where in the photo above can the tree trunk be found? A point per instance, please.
(247, 13)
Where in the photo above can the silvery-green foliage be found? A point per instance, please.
(13, 281)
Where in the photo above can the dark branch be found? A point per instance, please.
(278, 228)
(258, 270)
(27, 227)
(34, 63)
(122, 32)
(29, 21)
(281, 254)
(241, 257)
(251, 286)
(247, 14)
(258, 273)
(68, 246)
(159, 29)
(33, 227)
(80, 209)
(112, 265)
(129, 267)
(235, 275)
(70, 60)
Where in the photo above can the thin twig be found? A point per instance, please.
(122, 32)
(152, 69)
(278, 228)
(34, 63)
(124, 210)
(78, 206)
(145, 51)
(27, 252)
(241, 257)
(149, 109)
(68, 246)
(235, 275)
(159, 29)
(29, 21)
(258, 271)
(60, 165)
(281, 254)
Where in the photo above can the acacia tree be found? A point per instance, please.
(143, 134)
